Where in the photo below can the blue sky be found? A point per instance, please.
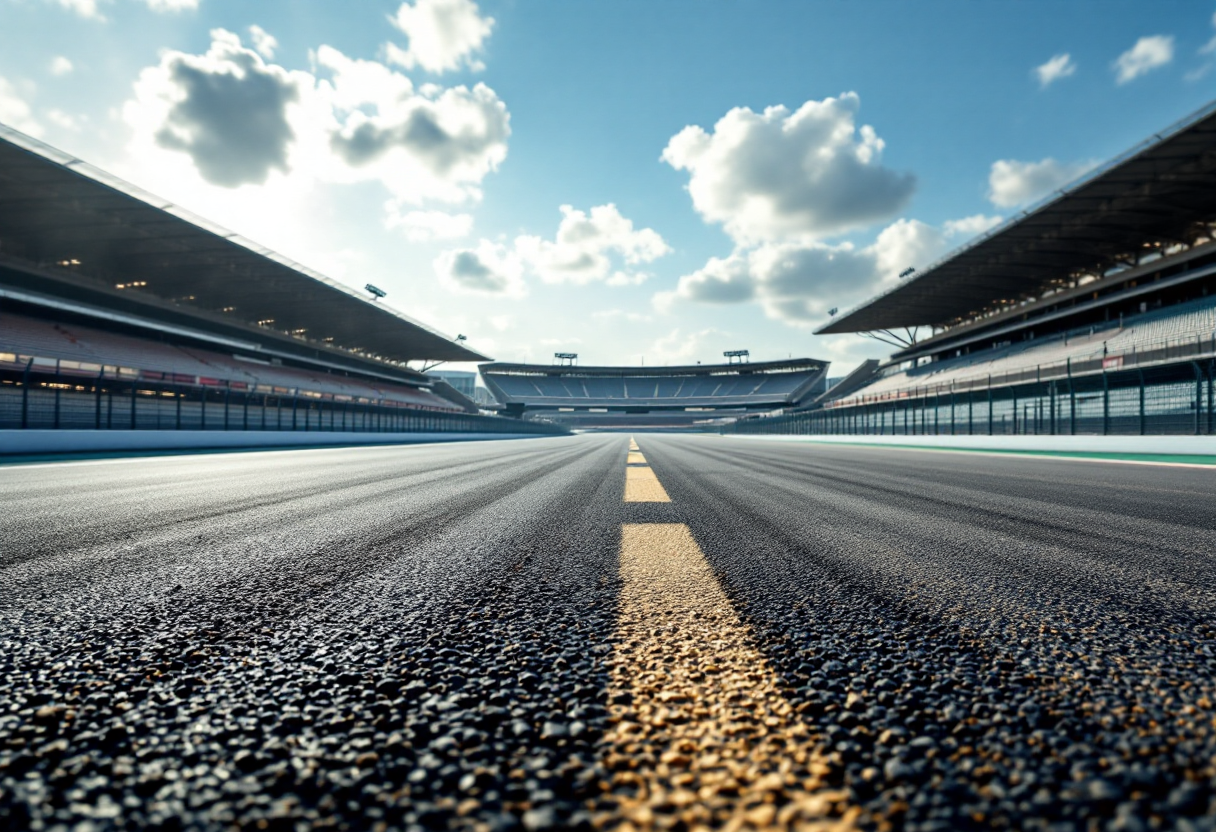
(627, 180)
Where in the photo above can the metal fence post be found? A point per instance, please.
(58, 384)
(1140, 374)
(990, 404)
(97, 399)
(1198, 395)
(25, 394)
(1105, 403)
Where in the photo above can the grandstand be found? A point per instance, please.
(119, 311)
(1092, 312)
(651, 396)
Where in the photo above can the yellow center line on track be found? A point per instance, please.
(642, 486)
(635, 457)
(702, 736)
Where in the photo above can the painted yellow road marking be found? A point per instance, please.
(706, 738)
(642, 486)
(635, 457)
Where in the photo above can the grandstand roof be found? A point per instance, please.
(60, 212)
(788, 365)
(1156, 192)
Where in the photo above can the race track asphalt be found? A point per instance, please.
(502, 635)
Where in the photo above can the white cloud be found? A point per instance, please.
(424, 226)
(443, 35)
(595, 245)
(1148, 54)
(1012, 183)
(489, 269)
(83, 8)
(172, 5)
(1060, 66)
(811, 173)
(583, 249)
(242, 120)
(970, 226)
(15, 111)
(428, 144)
(61, 65)
(264, 43)
(797, 282)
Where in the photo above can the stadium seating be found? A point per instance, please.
(716, 388)
(1140, 333)
(81, 350)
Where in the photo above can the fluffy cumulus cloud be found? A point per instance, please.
(430, 143)
(489, 269)
(810, 173)
(1011, 182)
(61, 65)
(15, 111)
(229, 110)
(797, 282)
(1060, 66)
(585, 245)
(782, 184)
(443, 35)
(595, 245)
(264, 43)
(242, 119)
(1148, 54)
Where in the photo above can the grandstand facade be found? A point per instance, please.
(120, 312)
(655, 397)
(1093, 312)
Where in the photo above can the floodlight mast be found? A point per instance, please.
(566, 359)
(737, 356)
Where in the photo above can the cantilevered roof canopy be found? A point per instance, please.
(1159, 192)
(64, 215)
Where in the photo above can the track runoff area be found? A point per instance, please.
(673, 632)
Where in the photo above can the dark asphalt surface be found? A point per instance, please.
(422, 636)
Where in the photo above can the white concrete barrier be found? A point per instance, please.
(1182, 445)
(85, 441)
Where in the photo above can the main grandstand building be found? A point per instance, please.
(655, 397)
(119, 311)
(1092, 312)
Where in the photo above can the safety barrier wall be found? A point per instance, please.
(49, 399)
(1167, 399)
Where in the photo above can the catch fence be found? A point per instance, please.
(50, 395)
(1165, 389)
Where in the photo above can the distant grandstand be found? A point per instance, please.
(119, 311)
(651, 396)
(1093, 312)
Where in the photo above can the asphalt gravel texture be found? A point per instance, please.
(425, 637)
